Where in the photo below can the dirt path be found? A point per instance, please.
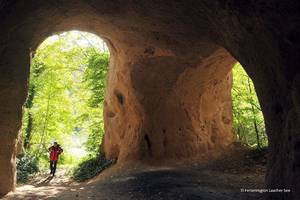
(43, 186)
(218, 181)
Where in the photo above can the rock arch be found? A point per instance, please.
(159, 49)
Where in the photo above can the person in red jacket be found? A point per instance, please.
(55, 151)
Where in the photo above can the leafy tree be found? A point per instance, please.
(94, 78)
(65, 96)
(248, 120)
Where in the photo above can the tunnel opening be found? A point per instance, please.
(248, 119)
(64, 104)
(149, 37)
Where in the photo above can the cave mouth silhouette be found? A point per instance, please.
(156, 61)
(58, 94)
(248, 119)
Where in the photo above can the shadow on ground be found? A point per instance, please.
(220, 180)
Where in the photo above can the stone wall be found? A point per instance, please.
(165, 83)
(161, 107)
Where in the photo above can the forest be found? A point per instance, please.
(65, 103)
(248, 120)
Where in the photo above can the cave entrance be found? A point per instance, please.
(248, 119)
(64, 102)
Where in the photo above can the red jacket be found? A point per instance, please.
(54, 152)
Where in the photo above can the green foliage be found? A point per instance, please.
(95, 78)
(95, 81)
(248, 120)
(27, 165)
(65, 97)
(52, 79)
(91, 166)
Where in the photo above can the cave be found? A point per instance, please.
(168, 90)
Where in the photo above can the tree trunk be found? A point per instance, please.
(254, 118)
(28, 131)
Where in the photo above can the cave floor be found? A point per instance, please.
(222, 180)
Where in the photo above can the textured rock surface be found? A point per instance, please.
(173, 108)
(167, 95)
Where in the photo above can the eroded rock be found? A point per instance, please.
(168, 94)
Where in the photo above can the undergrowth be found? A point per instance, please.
(91, 166)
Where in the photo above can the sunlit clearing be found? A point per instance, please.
(77, 142)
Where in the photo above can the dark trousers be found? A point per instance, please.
(53, 166)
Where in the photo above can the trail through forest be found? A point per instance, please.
(222, 179)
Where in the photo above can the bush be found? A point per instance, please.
(91, 166)
(27, 165)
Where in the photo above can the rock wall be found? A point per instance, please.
(179, 112)
(165, 82)
(12, 96)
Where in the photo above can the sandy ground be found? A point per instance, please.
(220, 180)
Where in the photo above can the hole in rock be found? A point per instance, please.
(120, 97)
(110, 114)
(148, 143)
(65, 103)
(248, 119)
